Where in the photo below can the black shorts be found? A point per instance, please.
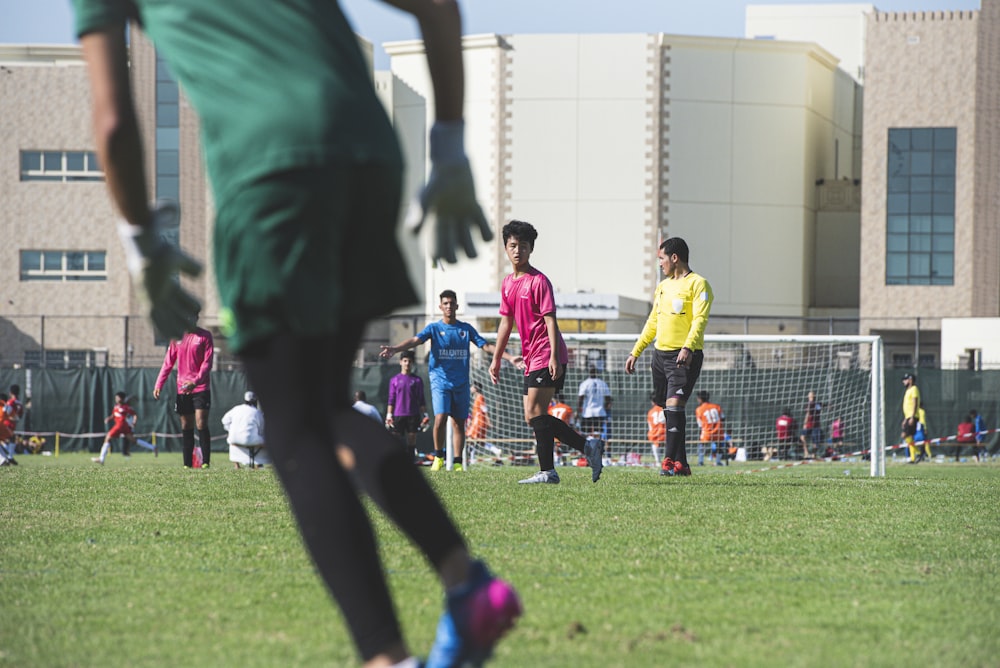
(909, 427)
(186, 404)
(671, 381)
(406, 424)
(542, 378)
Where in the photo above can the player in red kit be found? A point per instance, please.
(124, 417)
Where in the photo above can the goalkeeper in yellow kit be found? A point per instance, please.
(911, 416)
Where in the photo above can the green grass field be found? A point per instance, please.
(143, 563)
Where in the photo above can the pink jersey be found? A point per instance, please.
(193, 356)
(529, 298)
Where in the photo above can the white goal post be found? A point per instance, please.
(754, 378)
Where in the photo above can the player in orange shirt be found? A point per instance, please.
(561, 410)
(657, 433)
(712, 421)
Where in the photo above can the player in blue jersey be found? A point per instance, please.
(448, 369)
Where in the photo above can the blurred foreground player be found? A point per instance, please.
(305, 172)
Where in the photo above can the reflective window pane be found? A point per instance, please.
(943, 224)
(52, 261)
(75, 261)
(944, 162)
(920, 203)
(31, 160)
(52, 160)
(897, 243)
(74, 161)
(921, 162)
(922, 139)
(943, 243)
(944, 203)
(944, 139)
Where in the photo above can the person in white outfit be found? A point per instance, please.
(245, 424)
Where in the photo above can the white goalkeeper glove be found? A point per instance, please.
(451, 195)
(154, 264)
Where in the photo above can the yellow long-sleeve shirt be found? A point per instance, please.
(679, 315)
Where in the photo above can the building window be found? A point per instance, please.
(167, 141)
(60, 166)
(54, 265)
(920, 207)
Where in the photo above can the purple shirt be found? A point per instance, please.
(529, 298)
(406, 394)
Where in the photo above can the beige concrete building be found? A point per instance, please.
(752, 149)
(931, 191)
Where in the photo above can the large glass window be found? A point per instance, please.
(59, 265)
(920, 207)
(168, 182)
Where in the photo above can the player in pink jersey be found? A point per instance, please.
(527, 299)
(192, 354)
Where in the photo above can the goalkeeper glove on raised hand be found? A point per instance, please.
(451, 195)
(154, 264)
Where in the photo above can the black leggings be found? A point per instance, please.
(304, 388)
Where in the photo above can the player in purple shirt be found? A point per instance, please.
(406, 410)
(527, 299)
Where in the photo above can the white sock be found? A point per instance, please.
(145, 444)
(105, 449)
(656, 454)
(410, 662)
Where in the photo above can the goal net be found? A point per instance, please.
(753, 378)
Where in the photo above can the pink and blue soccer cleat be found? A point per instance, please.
(476, 616)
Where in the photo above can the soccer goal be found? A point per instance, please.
(754, 378)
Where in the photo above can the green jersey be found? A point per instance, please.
(234, 58)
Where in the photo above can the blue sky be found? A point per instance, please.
(50, 21)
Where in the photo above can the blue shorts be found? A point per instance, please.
(451, 400)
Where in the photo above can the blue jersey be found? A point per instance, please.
(979, 424)
(449, 360)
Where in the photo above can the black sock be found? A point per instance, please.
(205, 441)
(544, 440)
(187, 446)
(565, 433)
(676, 449)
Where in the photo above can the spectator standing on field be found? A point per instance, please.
(244, 424)
(306, 171)
(784, 430)
(594, 403)
(965, 434)
(676, 328)
(362, 406)
(448, 370)
(528, 300)
(979, 427)
(193, 355)
(812, 430)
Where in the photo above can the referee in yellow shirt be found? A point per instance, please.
(676, 328)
